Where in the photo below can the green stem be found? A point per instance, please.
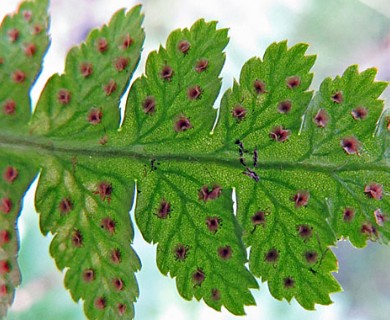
(48, 146)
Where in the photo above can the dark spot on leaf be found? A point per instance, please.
(110, 87)
(311, 256)
(121, 309)
(293, 82)
(380, 217)
(127, 42)
(258, 218)
(77, 238)
(305, 231)
(13, 35)
(30, 50)
(337, 97)
(164, 209)
(10, 174)
(374, 190)
(284, 106)
(37, 29)
(350, 145)
(104, 190)
(63, 96)
(183, 46)
(9, 107)
(279, 134)
(108, 224)
(149, 105)
(3, 290)
(388, 123)
(225, 253)
(116, 256)
(194, 93)
(198, 277)
(259, 86)
(288, 283)
(201, 65)
(301, 198)
(27, 15)
(321, 119)
(5, 237)
(5, 205)
(102, 45)
(213, 223)
(272, 256)
(4, 267)
(100, 303)
(1, 60)
(359, 113)
(166, 73)
(118, 284)
(348, 214)
(369, 230)
(18, 76)
(215, 294)
(66, 205)
(88, 275)
(95, 116)
(182, 124)
(239, 112)
(181, 252)
(86, 69)
(121, 63)
(206, 193)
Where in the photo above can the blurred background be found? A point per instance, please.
(341, 32)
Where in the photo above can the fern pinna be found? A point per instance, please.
(307, 168)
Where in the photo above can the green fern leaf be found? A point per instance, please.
(310, 179)
(96, 75)
(23, 42)
(199, 240)
(356, 142)
(305, 171)
(85, 207)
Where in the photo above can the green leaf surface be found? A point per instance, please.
(85, 99)
(84, 201)
(86, 206)
(354, 142)
(311, 188)
(16, 177)
(305, 171)
(172, 103)
(199, 239)
(23, 42)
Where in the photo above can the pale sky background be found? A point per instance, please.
(352, 38)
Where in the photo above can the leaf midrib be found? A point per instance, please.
(50, 146)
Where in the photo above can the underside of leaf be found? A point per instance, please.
(87, 210)
(23, 42)
(309, 177)
(179, 207)
(307, 171)
(84, 201)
